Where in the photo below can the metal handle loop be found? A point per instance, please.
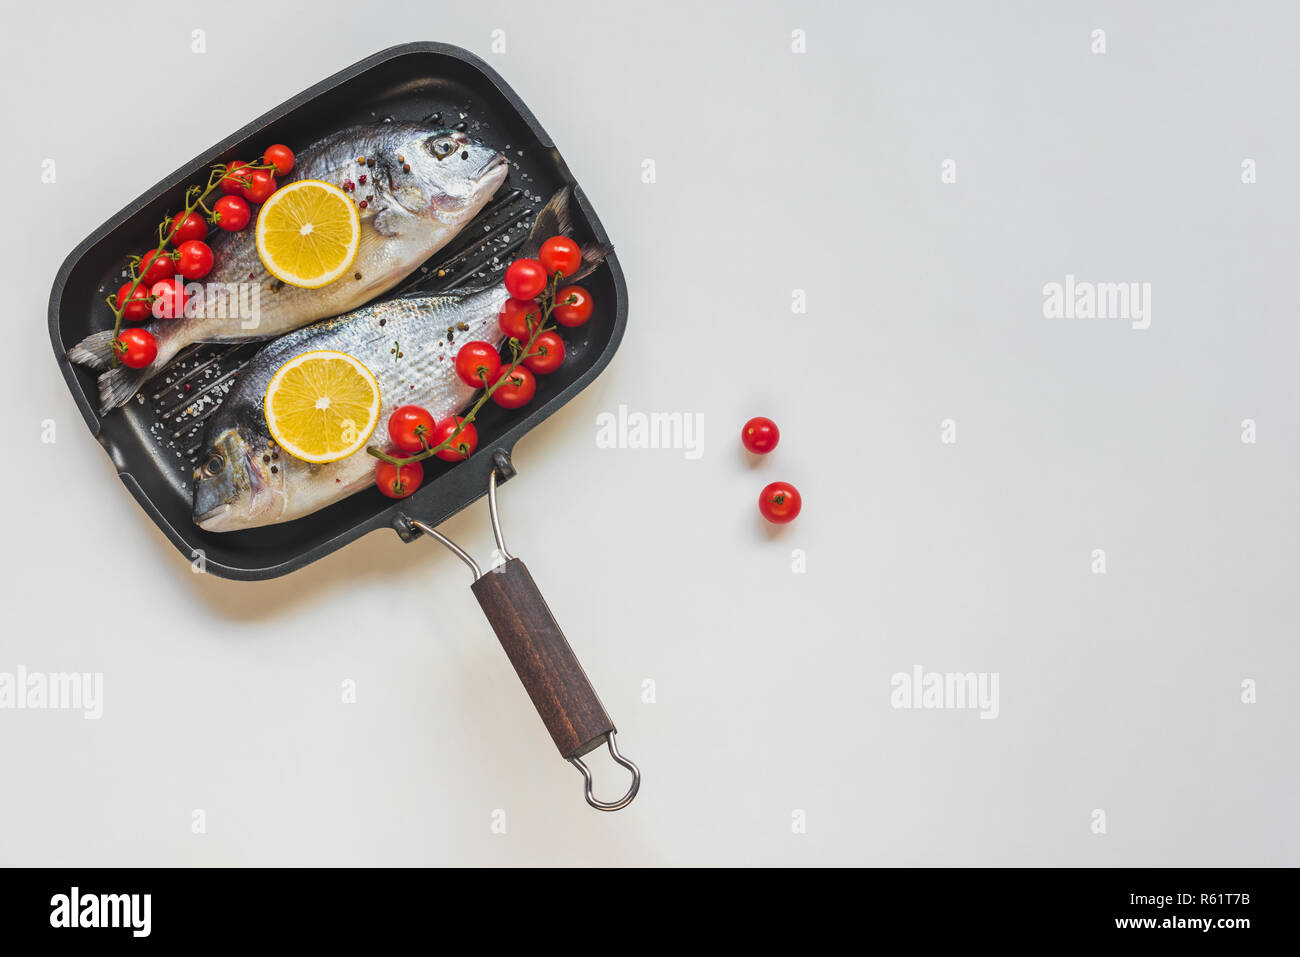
(626, 799)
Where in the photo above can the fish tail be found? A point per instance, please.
(593, 254)
(96, 350)
(554, 220)
(117, 385)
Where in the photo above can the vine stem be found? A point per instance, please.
(468, 418)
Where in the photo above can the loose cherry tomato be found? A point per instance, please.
(779, 503)
(398, 481)
(465, 443)
(137, 310)
(168, 298)
(408, 425)
(155, 267)
(281, 157)
(550, 349)
(232, 213)
(194, 259)
(518, 389)
(191, 227)
(477, 364)
(518, 318)
(525, 278)
(136, 348)
(561, 254)
(261, 184)
(760, 435)
(573, 306)
(236, 178)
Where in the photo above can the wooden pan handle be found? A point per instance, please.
(546, 664)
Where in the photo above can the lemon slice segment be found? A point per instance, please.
(322, 406)
(307, 233)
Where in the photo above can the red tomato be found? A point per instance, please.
(550, 349)
(398, 481)
(525, 278)
(232, 213)
(168, 298)
(261, 184)
(234, 181)
(465, 443)
(137, 310)
(518, 318)
(155, 267)
(136, 348)
(477, 364)
(281, 157)
(191, 227)
(518, 389)
(408, 425)
(561, 254)
(760, 435)
(573, 306)
(194, 259)
(779, 503)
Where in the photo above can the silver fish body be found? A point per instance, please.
(244, 481)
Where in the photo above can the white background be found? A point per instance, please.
(776, 171)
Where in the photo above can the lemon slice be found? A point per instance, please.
(322, 406)
(307, 233)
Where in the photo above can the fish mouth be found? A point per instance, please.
(498, 161)
(210, 518)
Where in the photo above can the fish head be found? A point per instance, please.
(451, 175)
(238, 482)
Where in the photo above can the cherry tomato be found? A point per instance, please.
(515, 320)
(477, 364)
(235, 179)
(760, 435)
(408, 424)
(550, 349)
(261, 184)
(168, 298)
(561, 254)
(525, 278)
(573, 306)
(398, 481)
(137, 310)
(518, 389)
(155, 267)
(191, 227)
(281, 157)
(194, 259)
(465, 443)
(779, 503)
(136, 348)
(232, 213)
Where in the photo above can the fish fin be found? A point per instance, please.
(117, 385)
(593, 254)
(96, 350)
(552, 220)
(384, 222)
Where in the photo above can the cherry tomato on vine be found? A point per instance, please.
(514, 320)
(408, 424)
(236, 177)
(560, 254)
(281, 157)
(573, 306)
(477, 364)
(465, 443)
(779, 503)
(138, 309)
(261, 184)
(550, 349)
(517, 390)
(232, 213)
(194, 259)
(190, 227)
(155, 267)
(135, 348)
(398, 481)
(168, 298)
(525, 278)
(760, 435)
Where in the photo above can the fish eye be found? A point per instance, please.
(214, 465)
(442, 147)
